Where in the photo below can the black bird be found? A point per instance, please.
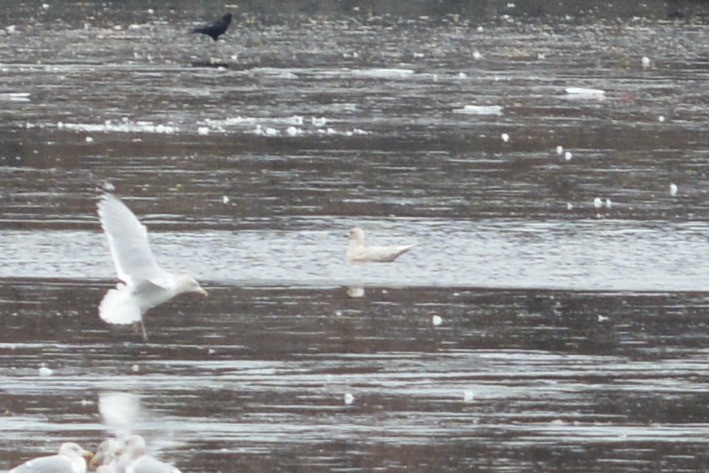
(216, 29)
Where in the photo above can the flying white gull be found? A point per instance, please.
(143, 283)
(358, 253)
(70, 459)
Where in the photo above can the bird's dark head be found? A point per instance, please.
(227, 17)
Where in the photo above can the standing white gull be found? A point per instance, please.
(134, 458)
(70, 459)
(358, 253)
(106, 453)
(143, 283)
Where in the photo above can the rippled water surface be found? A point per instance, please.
(552, 316)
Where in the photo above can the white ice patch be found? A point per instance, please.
(15, 97)
(480, 110)
(122, 127)
(582, 93)
(382, 73)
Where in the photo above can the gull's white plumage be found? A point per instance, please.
(69, 459)
(143, 283)
(134, 458)
(106, 453)
(357, 252)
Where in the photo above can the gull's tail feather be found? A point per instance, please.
(119, 307)
(402, 250)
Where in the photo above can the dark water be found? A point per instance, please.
(530, 330)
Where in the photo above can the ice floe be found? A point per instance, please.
(582, 93)
(480, 110)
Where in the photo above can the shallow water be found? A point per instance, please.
(530, 330)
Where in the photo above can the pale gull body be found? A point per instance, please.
(134, 458)
(143, 283)
(70, 459)
(357, 252)
(106, 453)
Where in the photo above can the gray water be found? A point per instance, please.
(530, 330)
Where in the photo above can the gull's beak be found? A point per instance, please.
(89, 456)
(202, 291)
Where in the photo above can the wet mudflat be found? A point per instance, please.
(552, 317)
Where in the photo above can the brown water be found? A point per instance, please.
(529, 331)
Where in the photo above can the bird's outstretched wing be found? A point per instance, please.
(128, 242)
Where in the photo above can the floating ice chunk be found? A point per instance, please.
(480, 110)
(436, 320)
(135, 368)
(602, 318)
(293, 131)
(45, 371)
(45, 6)
(383, 73)
(462, 75)
(15, 97)
(645, 62)
(225, 199)
(598, 202)
(480, 29)
(608, 203)
(559, 150)
(673, 189)
(349, 398)
(476, 54)
(661, 119)
(203, 130)
(124, 127)
(318, 121)
(89, 139)
(118, 28)
(468, 395)
(584, 93)
(505, 137)
(355, 292)
(568, 156)
(569, 206)
(11, 29)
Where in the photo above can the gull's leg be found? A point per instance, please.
(139, 327)
(142, 327)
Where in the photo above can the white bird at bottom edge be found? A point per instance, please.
(71, 458)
